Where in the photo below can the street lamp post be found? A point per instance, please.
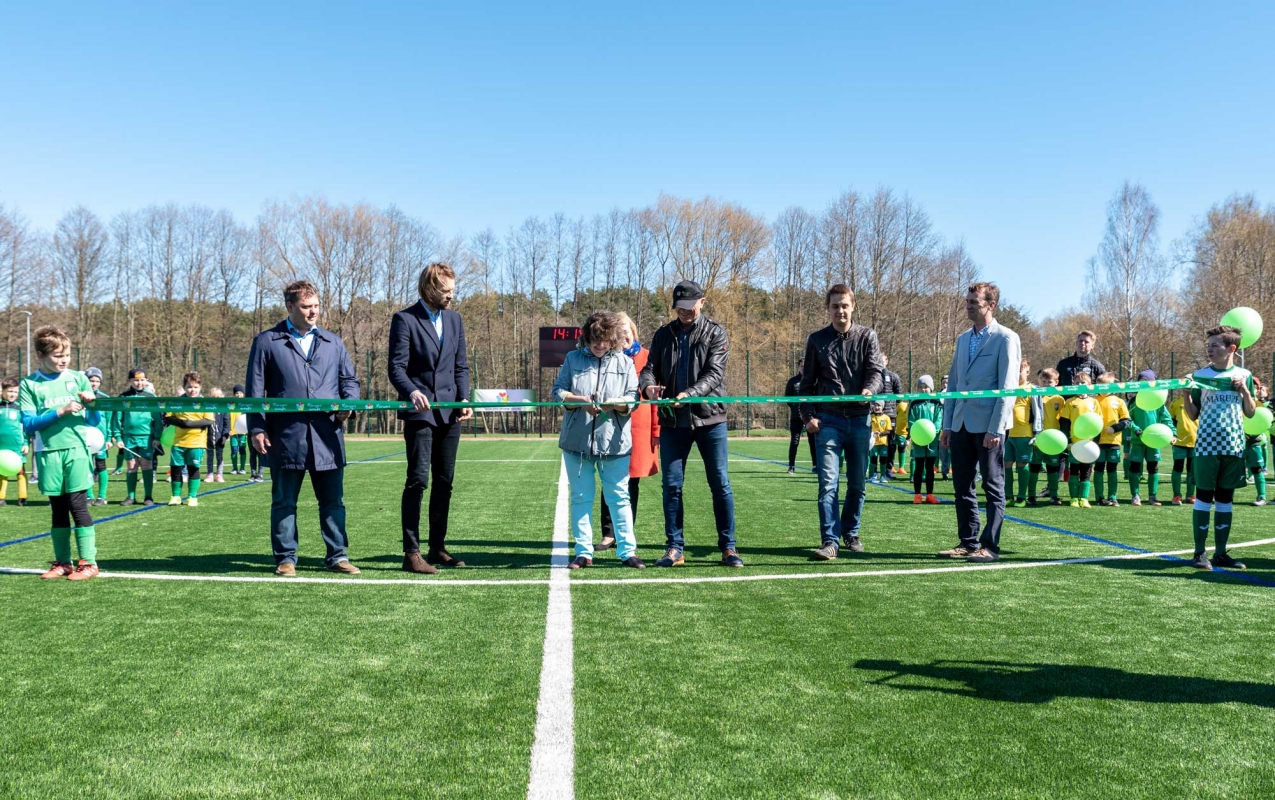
(28, 313)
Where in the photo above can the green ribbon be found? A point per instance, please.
(292, 405)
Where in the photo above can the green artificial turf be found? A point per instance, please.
(1133, 678)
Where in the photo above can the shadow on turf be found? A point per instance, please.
(1259, 568)
(255, 563)
(1011, 682)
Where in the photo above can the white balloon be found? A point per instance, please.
(95, 440)
(1085, 452)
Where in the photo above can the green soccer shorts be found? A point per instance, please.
(141, 445)
(1109, 454)
(1255, 457)
(1019, 450)
(881, 451)
(1211, 472)
(64, 471)
(930, 450)
(188, 456)
(1180, 453)
(1139, 452)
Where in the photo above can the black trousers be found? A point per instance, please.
(969, 455)
(608, 529)
(429, 450)
(795, 430)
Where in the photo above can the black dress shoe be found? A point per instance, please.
(442, 558)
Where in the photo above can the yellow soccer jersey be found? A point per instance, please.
(1186, 426)
(1113, 410)
(1077, 405)
(1054, 405)
(1022, 427)
(191, 438)
(901, 428)
(880, 429)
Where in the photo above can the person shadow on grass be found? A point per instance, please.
(1011, 682)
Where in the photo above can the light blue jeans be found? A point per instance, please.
(614, 472)
(851, 436)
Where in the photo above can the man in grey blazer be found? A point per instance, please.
(987, 356)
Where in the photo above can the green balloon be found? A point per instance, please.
(1052, 442)
(10, 463)
(1248, 321)
(1157, 436)
(166, 438)
(1260, 422)
(1087, 425)
(1151, 399)
(923, 432)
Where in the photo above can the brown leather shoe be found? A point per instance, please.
(983, 556)
(412, 562)
(442, 558)
(345, 568)
(960, 551)
(286, 570)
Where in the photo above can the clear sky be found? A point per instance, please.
(1013, 123)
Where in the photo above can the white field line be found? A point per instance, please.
(797, 576)
(553, 751)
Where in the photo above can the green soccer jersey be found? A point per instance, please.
(1221, 431)
(11, 436)
(136, 424)
(39, 393)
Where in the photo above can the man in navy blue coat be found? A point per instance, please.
(297, 358)
(427, 364)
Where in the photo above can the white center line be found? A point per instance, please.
(553, 751)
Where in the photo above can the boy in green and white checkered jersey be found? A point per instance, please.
(1220, 408)
(52, 403)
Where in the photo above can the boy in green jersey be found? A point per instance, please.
(1138, 453)
(1221, 409)
(100, 475)
(52, 403)
(137, 434)
(12, 438)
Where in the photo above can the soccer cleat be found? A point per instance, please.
(175, 500)
(672, 558)
(917, 499)
(148, 502)
(83, 572)
(1225, 561)
(127, 501)
(731, 558)
(1189, 499)
(931, 499)
(58, 570)
(1114, 503)
(1261, 501)
(1056, 501)
(1177, 500)
(827, 552)
(22, 501)
(1084, 503)
(1201, 561)
(1075, 502)
(1021, 503)
(1032, 502)
(1137, 501)
(192, 502)
(791, 471)
(1154, 502)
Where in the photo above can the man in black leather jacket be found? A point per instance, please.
(688, 359)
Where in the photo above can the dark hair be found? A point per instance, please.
(297, 290)
(1230, 335)
(604, 327)
(837, 288)
(192, 377)
(9, 383)
(989, 291)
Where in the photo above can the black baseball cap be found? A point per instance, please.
(686, 294)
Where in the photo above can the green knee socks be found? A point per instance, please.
(86, 544)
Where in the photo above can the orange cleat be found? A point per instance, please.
(58, 570)
(83, 572)
(917, 500)
(931, 499)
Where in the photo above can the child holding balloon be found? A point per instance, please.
(1152, 429)
(1051, 412)
(1255, 449)
(1115, 418)
(924, 420)
(1183, 449)
(1221, 406)
(1082, 421)
(52, 400)
(13, 442)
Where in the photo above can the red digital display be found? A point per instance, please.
(555, 342)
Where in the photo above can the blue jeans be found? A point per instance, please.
(329, 490)
(675, 448)
(614, 473)
(853, 437)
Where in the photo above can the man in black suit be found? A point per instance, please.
(427, 364)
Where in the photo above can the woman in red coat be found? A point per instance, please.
(645, 458)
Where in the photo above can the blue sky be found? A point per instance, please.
(1013, 123)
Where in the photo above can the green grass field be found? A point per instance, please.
(1136, 677)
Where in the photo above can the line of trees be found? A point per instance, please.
(177, 287)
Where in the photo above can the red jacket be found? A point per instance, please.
(645, 460)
